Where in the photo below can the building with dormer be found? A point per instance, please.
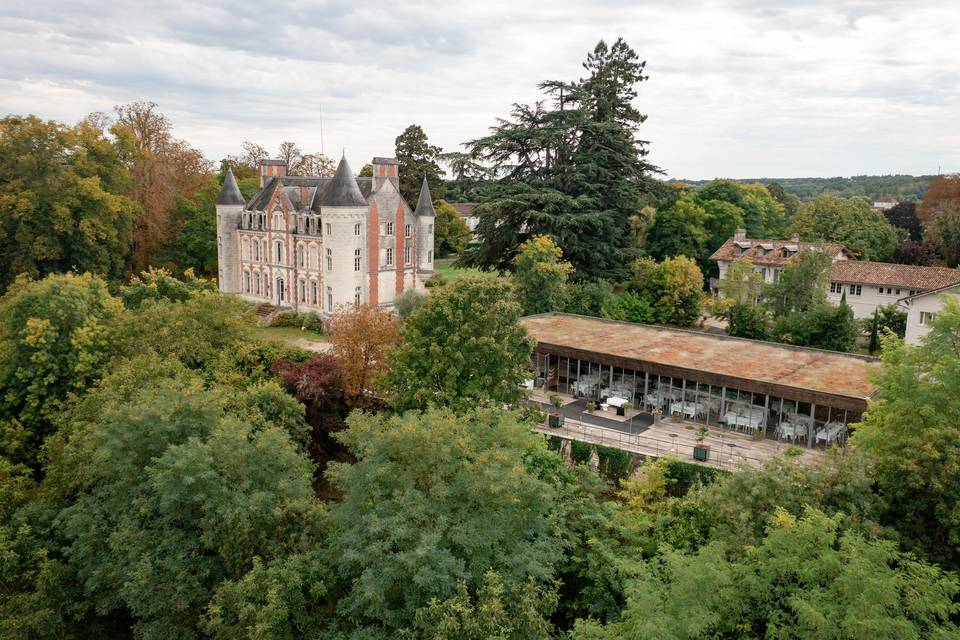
(315, 243)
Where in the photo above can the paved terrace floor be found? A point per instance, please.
(671, 437)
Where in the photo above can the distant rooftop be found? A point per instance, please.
(904, 276)
(808, 375)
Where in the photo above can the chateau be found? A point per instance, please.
(313, 243)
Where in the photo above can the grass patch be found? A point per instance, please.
(444, 267)
(289, 335)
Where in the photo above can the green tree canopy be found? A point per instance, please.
(540, 275)
(913, 438)
(852, 223)
(451, 233)
(436, 500)
(56, 337)
(418, 160)
(463, 346)
(167, 496)
(573, 169)
(807, 578)
(61, 202)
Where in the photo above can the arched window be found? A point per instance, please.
(246, 282)
(300, 258)
(278, 252)
(314, 263)
(256, 250)
(264, 256)
(313, 293)
(303, 291)
(256, 283)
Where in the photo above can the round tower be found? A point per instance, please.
(343, 217)
(426, 218)
(230, 206)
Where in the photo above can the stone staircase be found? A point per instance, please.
(265, 313)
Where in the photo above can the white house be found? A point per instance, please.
(769, 257)
(924, 307)
(870, 285)
(867, 285)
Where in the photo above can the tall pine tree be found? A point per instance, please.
(571, 167)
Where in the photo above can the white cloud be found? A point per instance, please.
(737, 88)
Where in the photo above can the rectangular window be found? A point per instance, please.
(897, 291)
(389, 228)
(356, 296)
(246, 281)
(356, 260)
(389, 257)
(356, 229)
(407, 230)
(926, 317)
(256, 250)
(406, 254)
(329, 260)
(303, 291)
(313, 293)
(430, 228)
(329, 230)
(856, 289)
(429, 256)
(329, 299)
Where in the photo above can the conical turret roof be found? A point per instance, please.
(343, 190)
(230, 193)
(425, 202)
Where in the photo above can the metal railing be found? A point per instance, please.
(723, 455)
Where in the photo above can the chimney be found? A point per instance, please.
(385, 169)
(271, 168)
(740, 235)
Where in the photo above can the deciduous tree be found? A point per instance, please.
(62, 202)
(540, 275)
(451, 233)
(56, 337)
(851, 222)
(463, 347)
(361, 338)
(435, 500)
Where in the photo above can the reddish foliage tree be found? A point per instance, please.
(361, 338)
(920, 253)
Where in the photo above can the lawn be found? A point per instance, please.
(444, 266)
(294, 337)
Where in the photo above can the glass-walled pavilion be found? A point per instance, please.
(804, 396)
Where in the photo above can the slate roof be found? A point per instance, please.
(320, 191)
(772, 252)
(828, 377)
(904, 276)
(341, 190)
(425, 202)
(230, 193)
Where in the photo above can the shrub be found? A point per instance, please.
(308, 321)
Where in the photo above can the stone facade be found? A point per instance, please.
(316, 243)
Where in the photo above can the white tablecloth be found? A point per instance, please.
(830, 431)
(688, 409)
(615, 401)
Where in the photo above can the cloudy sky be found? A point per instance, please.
(738, 88)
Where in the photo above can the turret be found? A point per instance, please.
(229, 209)
(343, 214)
(426, 216)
